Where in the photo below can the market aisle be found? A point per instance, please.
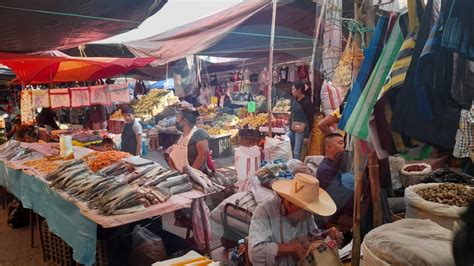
(15, 247)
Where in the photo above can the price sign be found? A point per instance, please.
(214, 100)
(251, 107)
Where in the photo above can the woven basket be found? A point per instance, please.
(57, 252)
(413, 178)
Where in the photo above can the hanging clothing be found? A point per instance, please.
(425, 109)
(26, 108)
(275, 76)
(129, 137)
(284, 74)
(458, 33)
(371, 56)
(462, 88)
(293, 74)
(303, 72)
(391, 141)
(465, 134)
(358, 122)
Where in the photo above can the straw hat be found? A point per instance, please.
(304, 192)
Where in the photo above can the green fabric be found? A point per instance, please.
(358, 123)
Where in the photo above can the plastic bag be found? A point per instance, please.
(442, 214)
(147, 246)
(278, 148)
(408, 242)
(246, 161)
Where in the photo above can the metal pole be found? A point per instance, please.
(270, 69)
(316, 31)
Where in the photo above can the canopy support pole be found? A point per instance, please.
(375, 188)
(358, 184)
(270, 69)
(316, 32)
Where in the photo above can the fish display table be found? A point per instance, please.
(71, 219)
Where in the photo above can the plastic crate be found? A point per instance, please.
(57, 252)
(220, 146)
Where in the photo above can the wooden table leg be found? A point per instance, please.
(32, 228)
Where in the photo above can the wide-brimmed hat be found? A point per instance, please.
(304, 192)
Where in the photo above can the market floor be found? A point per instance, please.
(15, 249)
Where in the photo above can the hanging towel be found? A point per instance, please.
(371, 56)
(100, 95)
(40, 98)
(358, 122)
(119, 93)
(59, 98)
(80, 97)
(391, 141)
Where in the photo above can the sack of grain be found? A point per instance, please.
(408, 242)
(412, 174)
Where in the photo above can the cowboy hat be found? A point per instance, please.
(304, 192)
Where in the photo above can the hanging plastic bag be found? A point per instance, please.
(246, 161)
(119, 93)
(80, 97)
(331, 97)
(59, 98)
(147, 247)
(100, 95)
(278, 148)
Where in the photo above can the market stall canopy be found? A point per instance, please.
(31, 69)
(32, 26)
(240, 31)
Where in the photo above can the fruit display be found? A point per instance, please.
(449, 194)
(207, 109)
(151, 104)
(254, 121)
(282, 106)
(117, 115)
(98, 160)
(242, 113)
(167, 125)
(214, 131)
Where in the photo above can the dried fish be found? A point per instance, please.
(181, 188)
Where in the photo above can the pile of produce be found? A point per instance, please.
(226, 120)
(116, 189)
(415, 168)
(254, 121)
(117, 115)
(207, 109)
(214, 131)
(151, 104)
(167, 125)
(450, 194)
(98, 160)
(44, 166)
(282, 106)
(242, 113)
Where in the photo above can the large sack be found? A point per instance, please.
(442, 214)
(331, 97)
(278, 148)
(246, 161)
(408, 242)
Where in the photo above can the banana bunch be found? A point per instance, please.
(117, 114)
(214, 131)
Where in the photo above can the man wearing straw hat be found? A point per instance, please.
(282, 228)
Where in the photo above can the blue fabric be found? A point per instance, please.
(64, 218)
(296, 139)
(371, 56)
(347, 180)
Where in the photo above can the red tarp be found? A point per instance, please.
(32, 69)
